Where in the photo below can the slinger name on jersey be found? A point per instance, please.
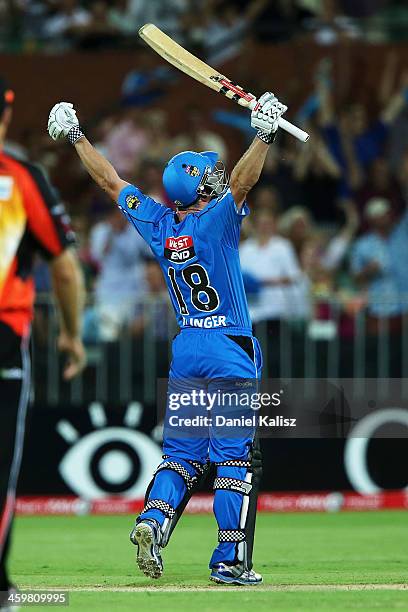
(205, 322)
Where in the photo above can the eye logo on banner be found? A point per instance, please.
(109, 460)
(356, 448)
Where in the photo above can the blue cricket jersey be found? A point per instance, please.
(199, 258)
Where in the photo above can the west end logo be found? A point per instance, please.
(179, 249)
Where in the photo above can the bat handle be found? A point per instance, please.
(287, 126)
(294, 130)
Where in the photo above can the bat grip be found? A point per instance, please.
(286, 125)
(294, 130)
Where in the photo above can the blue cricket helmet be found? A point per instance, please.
(188, 175)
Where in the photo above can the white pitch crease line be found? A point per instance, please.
(217, 588)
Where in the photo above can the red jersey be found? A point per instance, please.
(32, 220)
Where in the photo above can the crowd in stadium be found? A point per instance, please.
(328, 223)
(328, 218)
(213, 26)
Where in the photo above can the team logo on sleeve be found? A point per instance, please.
(191, 170)
(180, 249)
(132, 201)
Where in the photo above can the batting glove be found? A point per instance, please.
(63, 123)
(265, 116)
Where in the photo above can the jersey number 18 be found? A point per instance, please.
(196, 277)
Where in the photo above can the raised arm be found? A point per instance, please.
(254, 9)
(63, 123)
(397, 102)
(388, 79)
(100, 169)
(326, 114)
(248, 170)
(264, 119)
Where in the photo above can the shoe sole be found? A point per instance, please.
(143, 537)
(233, 581)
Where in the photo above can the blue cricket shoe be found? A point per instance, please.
(146, 536)
(234, 574)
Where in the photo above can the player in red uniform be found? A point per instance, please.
(32, 220)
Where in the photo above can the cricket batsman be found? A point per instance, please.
(197, 249)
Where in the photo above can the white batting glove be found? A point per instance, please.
(265, 116)
(63, 122)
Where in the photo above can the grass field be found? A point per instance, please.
(309, 561)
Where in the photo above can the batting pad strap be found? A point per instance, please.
(159, 504)
(239, 463)
(231, 535)
(199, 467)
(179, 469)
(232, 484)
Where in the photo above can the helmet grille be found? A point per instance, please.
(214, 183)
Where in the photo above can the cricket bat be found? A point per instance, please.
(185, 61)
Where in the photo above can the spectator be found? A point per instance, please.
(330, 26)
(126, 142)
(398, 132)
(266, 196)
(353, 140)
(379, 263)
(193, 26)
(321, 256)
(219, 26)
(369, 138)
(403, 176)
(63, 26)
(318, 174)
(278, 171)
(166, 15)
(227, 28)
(272, 261)
(99, 32)
(154, 311)
(119, 253)
(12, 17)
(398, 141)
(318, 255)
(155, 124)
(121, 19)
(282, 19)
(380, 183)
(154, 323)
(90, 268)
(151, 183)
(146, 83)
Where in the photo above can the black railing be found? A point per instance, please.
(127, 368)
